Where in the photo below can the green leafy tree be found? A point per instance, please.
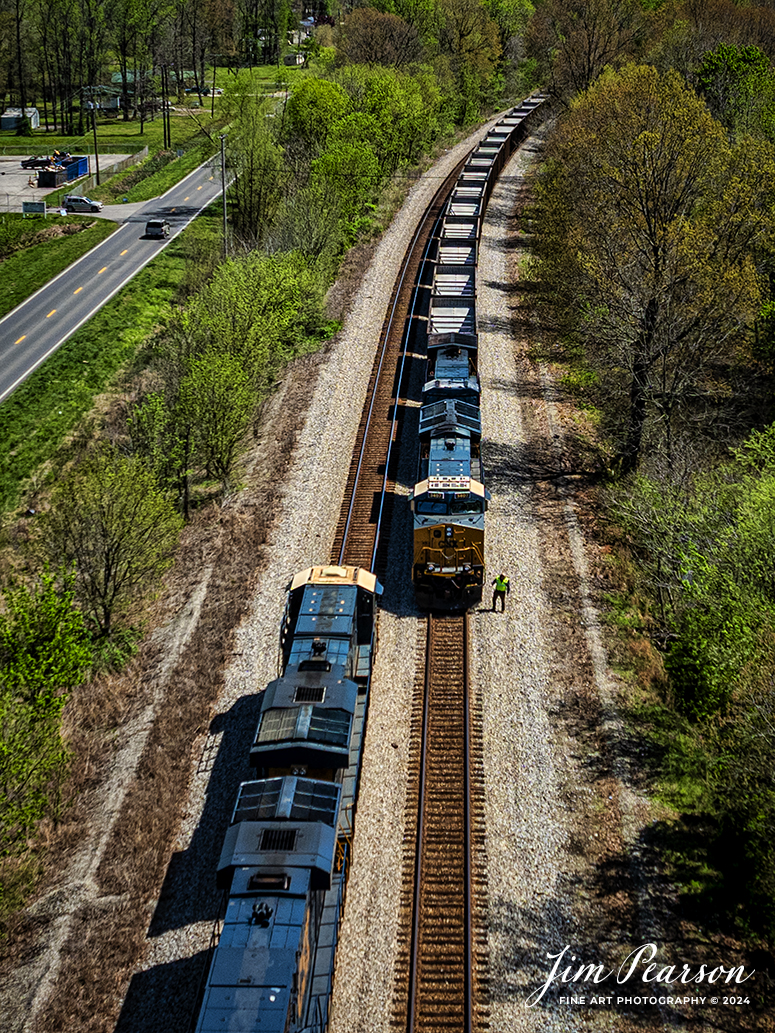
(312, 109)
(738, 83)
(353, 171)
(162, 432)
(218, 397)
(44, 652)
(260, 309)
(33, 760)
(44, 646)
(652, 220)
(254, 159)
(707, 549)
(112, 523)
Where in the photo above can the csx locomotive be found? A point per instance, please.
(283, 862)
(449, 500)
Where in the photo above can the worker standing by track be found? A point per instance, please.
(500, 591)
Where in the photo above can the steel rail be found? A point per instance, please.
(444, 189)
(419, 955)
(404, 346)
(418, 847)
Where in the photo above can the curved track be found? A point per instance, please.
(364, 521)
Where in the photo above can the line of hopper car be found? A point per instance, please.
(450, 498)
(284, 859)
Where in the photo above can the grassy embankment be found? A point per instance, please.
(43, 411)
(47, 407)
(26, 271)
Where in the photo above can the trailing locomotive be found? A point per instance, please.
(285, 855)
(450, 498)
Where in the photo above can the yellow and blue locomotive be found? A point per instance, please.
(283, 859)
(449, 500)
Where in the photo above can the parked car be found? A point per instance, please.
(36, 162)
(157, 228)
(76, 203)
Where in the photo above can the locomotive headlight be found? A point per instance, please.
(449, 532)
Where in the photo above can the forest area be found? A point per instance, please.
(653, 272)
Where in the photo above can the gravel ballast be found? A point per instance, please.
(314, 486)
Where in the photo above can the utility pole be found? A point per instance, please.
(223, 192)
(94, 127)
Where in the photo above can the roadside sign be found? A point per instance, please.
(33, 207)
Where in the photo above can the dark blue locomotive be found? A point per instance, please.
(284, 858)
(450, 499)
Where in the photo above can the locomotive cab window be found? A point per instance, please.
(470, 504)
(431, 506)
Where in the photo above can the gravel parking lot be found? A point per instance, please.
(15, 182)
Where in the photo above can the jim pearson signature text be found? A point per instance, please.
(639, 962)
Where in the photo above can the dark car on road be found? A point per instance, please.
(157, 228)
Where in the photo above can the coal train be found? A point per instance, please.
(284, 859)
(449, 499)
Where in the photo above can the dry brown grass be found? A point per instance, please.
(87, 994)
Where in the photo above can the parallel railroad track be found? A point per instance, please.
(442, 984)
(363, 530)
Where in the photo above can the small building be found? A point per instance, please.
(11, 118)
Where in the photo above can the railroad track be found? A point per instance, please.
(363, 529)
(442, 982)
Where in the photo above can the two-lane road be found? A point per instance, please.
(37, 327)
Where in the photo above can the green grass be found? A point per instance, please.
(48, 406)
(159, 182)
(114, 136)
(28, 270)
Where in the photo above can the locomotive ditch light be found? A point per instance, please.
(431, 567)
(466, 568)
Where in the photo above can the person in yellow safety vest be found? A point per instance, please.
(502, 588)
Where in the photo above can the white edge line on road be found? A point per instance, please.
(103, 243)
(115, 291)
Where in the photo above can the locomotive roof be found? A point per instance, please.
(323, 688)
(334, 575)
(448, 484)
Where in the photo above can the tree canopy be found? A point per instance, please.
(653, 218)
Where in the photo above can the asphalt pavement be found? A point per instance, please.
(37, 327)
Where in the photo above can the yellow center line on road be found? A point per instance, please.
(20, 339)
(102, 270)
(51, 313)
(186, 198)
(77, 290)
(200, 187)
(124, 251)
(171, 210)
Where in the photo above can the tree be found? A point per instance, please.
(255, 160)
(574, 41)
(313, 107)
(218, 399)
(651, 223)
(44, 652)
(738, 83)
(44, 648)
(112, 523)
(369, 37)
